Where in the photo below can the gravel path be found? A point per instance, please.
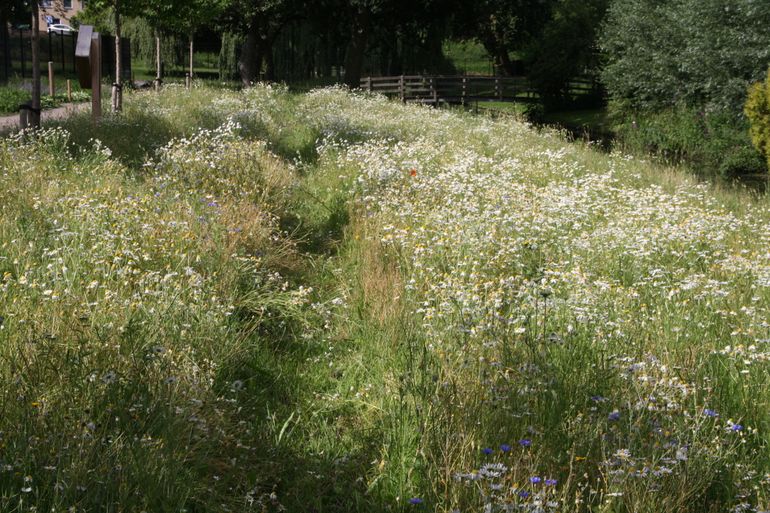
(9, 123)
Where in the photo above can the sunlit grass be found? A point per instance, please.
(250, 301)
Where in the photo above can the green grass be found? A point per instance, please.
(13, 95)
(468, 57)
(263, 301)
(591, 118)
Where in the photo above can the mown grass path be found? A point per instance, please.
(10, 123)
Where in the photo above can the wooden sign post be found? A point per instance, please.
(88, 60)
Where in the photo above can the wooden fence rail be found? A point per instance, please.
(463, 89)
(448, 89)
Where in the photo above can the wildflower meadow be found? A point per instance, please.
(265, 301)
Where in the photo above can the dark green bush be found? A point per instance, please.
(742, 161)
(710, 143)
(659, 54)
(11, 98)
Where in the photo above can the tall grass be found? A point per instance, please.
(330, 302)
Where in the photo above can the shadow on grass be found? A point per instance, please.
(131, 136)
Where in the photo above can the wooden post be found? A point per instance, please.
(187, 81)
(369, 84)
(158, 69)
(69, 90)
(498, 89)
(434, 91)
(464, 92)
(192, 55)
(96, 77)
(51, 83)
(401, 89)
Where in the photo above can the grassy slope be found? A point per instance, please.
(348, 316)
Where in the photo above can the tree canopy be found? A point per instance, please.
(694, 52)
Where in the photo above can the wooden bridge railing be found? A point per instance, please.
(462, 89)
(458, 89)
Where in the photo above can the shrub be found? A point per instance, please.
(711, 143)
(757, 110)
(11, 98)
(696, 52)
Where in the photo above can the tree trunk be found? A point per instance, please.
(117, 88)
(265, 53)
(505, 61)
(34, 114)
(499, 53)
(354, 58)
(192, 48)
(250, 61)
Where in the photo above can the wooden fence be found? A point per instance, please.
(463, 89)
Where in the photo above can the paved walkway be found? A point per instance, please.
(9, 123)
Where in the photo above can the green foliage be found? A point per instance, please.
(566, 49)
(228, 56)
(468, 57)
(502, 26)
(709, 143)
(757, 110)
(11, 98)
(695, 52)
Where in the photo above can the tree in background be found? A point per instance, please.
(34, 114)
(117, 9)
(502, 26)
(182, 18)
(261, 21)
(693, 52)
(678, 72)
(11, 11)
(566, 48)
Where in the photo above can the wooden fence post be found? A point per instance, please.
(401, 89)
(434, 90)
(369, 84)
(51, 83)
(69, 90)
(464, 92)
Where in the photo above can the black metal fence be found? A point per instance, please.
(16, 54)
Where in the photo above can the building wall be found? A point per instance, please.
(63, 10)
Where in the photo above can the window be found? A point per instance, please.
(68, 4)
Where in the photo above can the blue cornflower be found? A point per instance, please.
(736, 427)
(551, 482)
(505, 447)
(487, 451)
(415, 500)
(523, 494)
(710, 413)
(526, 442)
(615, 415)
(535, 479)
